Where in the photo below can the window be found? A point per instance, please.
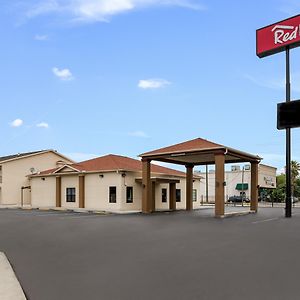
(163, 195)
(71, 195)
(112, 194)
(178, 195)
(194, 195)
(129, 194)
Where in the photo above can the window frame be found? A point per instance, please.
(128, 200)
(70, 194)
(110, 194)
(195, 195)
(178, 195)
(164, 195)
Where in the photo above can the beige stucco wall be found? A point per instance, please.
(69, 182)
(43, 191)
(129, 180)
(97, 191)
(14, 175)
(232, 178)
(267, 176)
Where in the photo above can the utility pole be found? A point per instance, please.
(243, 169)
(288, 200)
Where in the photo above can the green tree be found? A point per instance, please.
(295, 169)
(278, 194)
(280, 180)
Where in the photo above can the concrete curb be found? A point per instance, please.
(239, 213)
(10, 288)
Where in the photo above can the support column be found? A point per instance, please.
(58, 191)
(172, 196)
(81, 191)
(146, 182)
(254, 187)
(189, 187)
(153, 196)
(219, 185)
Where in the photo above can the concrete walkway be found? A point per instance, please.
(10, 288)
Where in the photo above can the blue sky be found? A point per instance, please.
(91, 77)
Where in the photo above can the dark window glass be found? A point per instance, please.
(194, 195)
(71, 195)
(112, 194)
(178, 195)
(129, 194)
(163, 195)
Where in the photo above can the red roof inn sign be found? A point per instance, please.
(276, 37)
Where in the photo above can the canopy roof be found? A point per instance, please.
(198, 152)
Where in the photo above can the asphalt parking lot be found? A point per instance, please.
(65, 255)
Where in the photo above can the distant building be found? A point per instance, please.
(238, 181)
(108, 183)
(14, 183)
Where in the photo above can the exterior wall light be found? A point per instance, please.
(101, 175)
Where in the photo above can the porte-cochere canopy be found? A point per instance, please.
(200, 152)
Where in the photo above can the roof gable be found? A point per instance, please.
(66, 169)
(195, 144)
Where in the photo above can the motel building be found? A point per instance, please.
(238, 182)
(15, 186)
(110, 183)
(47, 179)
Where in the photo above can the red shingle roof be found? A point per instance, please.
(196, 144)
(115, 162)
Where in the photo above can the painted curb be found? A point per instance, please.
(10, 288)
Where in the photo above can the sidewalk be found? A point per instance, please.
(10, 288)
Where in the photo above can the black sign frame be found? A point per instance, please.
(288, 115)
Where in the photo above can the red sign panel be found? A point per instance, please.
(276, 37)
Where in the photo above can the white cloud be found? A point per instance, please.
(275, 83)
(39, 37)
(63, 74)
(16, 123)
(42, 125)
(101, 10)
(138, 133)
(153, 83)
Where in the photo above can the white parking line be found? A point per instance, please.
(266, 220)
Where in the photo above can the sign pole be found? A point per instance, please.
(288, 200)
(279, 37)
